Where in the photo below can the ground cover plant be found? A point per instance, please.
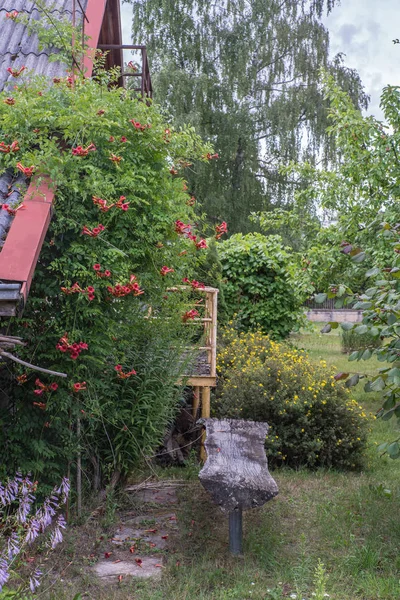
(314, 420)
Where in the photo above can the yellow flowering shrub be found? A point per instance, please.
(313, 419)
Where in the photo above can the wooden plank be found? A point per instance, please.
(205, 413)
(214, 334)
(201, 381)
(196, 401)
(236, 471)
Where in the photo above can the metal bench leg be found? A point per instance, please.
(236, 532)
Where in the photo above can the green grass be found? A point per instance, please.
(349, 521)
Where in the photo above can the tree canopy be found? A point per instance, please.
(246, 75)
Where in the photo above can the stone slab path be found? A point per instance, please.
(138, 546)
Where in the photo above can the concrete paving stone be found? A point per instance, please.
(157, 496)
(158, 537)
(110, 571)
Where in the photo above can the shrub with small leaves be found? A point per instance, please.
(314, 421)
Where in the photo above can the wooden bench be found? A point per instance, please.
(236, 470)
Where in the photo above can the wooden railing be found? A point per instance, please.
(145, 87)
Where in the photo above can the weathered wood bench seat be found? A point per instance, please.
(236, 470)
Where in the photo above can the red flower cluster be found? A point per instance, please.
(123, 375)
(93, 232)
(138, 125)
(191, 201)
(165, 270)
(74, 349)
(182, 229)
(173, 171)
(118, 291)
(194, 283)
(42, 388)
(101, 112)
(201, 244)
(9, 101)
(80, 151)
(132, 66)
(15, 72)
(185, 230)
(22, 379)
(209, 156)
(102, 204)
(190, 314)
(79, 387)
(27, 171)
(76, 289)
(114, 158)
(14, 147)
(11, 211)
(40, 405)
(220, 230)
(12, 15)
(104, 207)
(122, 204)
(124, 139)
(99, 273)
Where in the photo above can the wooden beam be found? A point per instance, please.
(205, 414)
(196, 401)
(201, 381)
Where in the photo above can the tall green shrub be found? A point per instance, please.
(118, 239)
(262, 288)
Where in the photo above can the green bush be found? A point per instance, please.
(313, 419)
(351, 341)
(262, 289)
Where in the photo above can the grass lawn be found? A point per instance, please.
(349, 521)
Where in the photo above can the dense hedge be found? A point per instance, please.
(261, 288)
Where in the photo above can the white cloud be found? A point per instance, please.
(363, 30)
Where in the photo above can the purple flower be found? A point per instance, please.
(32, 531)
(34, 580)
(64, 487)
(24, 508)
(4, 573)
(13, 545)
(56, 535)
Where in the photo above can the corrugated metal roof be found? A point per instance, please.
(12, 189)
(18, 49)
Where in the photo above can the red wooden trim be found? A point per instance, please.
(24, 241)
(95, 14)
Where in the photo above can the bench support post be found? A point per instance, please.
(236, 532)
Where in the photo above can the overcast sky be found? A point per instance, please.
(364, 30)
(361, 29)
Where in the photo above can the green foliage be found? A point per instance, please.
(314, 421)
(112, 160)
(262, 287)
(245, 74)
(363, 193)
(351, 341)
